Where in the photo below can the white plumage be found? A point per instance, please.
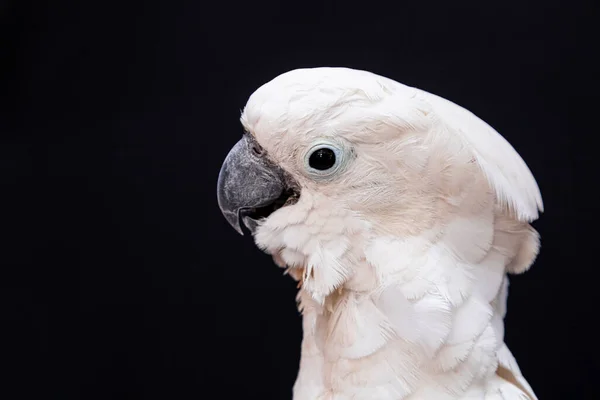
(402, 251)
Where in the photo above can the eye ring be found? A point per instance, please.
(323, 159)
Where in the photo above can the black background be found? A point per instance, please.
(121, 280)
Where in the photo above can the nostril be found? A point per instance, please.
(257, 150)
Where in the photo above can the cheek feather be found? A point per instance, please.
(321, 244)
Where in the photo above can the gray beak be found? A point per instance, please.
(249, 183)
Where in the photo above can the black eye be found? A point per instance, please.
(322, 159)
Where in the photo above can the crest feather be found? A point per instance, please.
(508, 175)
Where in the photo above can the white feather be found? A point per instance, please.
(403, 254)
(507, 173)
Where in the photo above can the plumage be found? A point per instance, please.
(402, 250)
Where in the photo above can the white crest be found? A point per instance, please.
(508, 175)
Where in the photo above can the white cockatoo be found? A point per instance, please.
(400, 213)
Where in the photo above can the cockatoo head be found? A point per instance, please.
(333, 157)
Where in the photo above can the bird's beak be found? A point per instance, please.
(247, 182)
